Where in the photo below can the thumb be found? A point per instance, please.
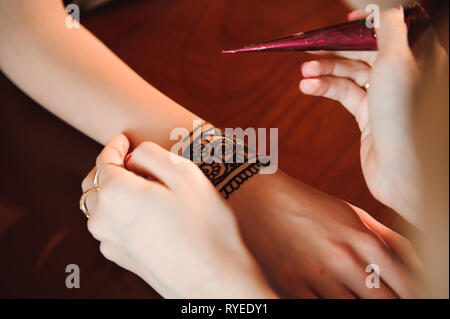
(392, 35)
(114, 151)
(152, 160)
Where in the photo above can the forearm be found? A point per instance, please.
(76, 77)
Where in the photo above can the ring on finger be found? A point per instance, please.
(366, 86)
(83, 197)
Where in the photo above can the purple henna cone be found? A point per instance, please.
(349, 36)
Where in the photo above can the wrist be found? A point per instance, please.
(225, 160)
(255, 192)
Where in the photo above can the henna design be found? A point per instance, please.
(239, 179)
(224, 160)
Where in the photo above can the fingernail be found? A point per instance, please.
(127, 158)
(304, 67)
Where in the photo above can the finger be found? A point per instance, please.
(350, 271)
(116, 183)
(401, 246)
(88, 181)
(91, 198)
(90, 201)
(355, 70)
(151, 159)
(394, 273)
(368, 57)
(115, 205)
(114, 152)
(354, 277)
(345, 91)
(356, 15)
(359, 285)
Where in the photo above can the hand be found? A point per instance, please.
(171, 229)
(311, 245)
(383, 113)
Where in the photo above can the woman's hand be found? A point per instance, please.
(312, 245)
(383, 112)
(172, 228)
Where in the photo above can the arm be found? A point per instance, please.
(91, 88)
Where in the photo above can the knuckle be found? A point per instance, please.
(122, 143)
(360, 76)
(107, 173)
(369, 241)
(109, 178)
(147, 146)
(341, 251)
(85, 183)
(189, 166)
(88, 180)
(146, 149)
(344, 93)
(104, 195)
(106, 251)
(190, 172)
(93, 226)
(99, 160)
(330, 66)
(345, 256)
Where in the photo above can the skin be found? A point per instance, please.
(388, 157)
(416, 113)
(307, 243)
(164, 232)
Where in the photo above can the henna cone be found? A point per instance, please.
(349, 36)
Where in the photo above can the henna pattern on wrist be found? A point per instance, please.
(226, 161)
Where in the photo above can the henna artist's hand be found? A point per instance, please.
(176, 233)
(383, 113)
(311, 245)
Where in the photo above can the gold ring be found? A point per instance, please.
(366, 86)
(97, 174)
(83, 200)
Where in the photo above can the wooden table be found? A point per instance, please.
(176, 46)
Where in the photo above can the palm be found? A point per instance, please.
(382, 112)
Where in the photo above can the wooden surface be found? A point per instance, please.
(175, 45)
